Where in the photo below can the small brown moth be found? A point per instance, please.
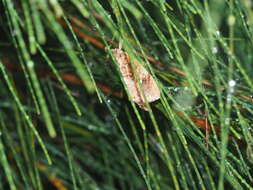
(131, 72)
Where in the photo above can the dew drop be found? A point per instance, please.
(215, 50)
(217, 32)
(231, 20)
(229, 98)
(158, 145)
(231, 83)
(227, 121)
(30, 64)
(176, 89)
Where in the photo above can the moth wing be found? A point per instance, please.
(149, 86)
(132, 89)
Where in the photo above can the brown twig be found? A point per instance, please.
(66, 77)
(54, 180)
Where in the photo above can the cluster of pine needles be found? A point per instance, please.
(67, 121)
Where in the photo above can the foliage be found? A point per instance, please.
(67, 121)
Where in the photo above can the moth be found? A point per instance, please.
(132, 71)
